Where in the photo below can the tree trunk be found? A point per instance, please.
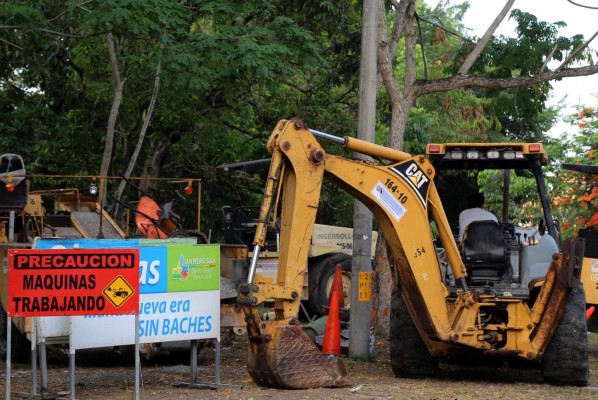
(401, 103)
(147, 119)
(156, 161)
(382, 287)
(118, 94)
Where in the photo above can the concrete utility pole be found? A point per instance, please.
(361, 306)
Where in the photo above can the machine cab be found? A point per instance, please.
(509, 253)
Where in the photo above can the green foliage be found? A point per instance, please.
(575, 194)
(524, 207)
(477, 115)
(455, 116)
(521, 113)
(229, 72)
(459, 116)
(481, 115)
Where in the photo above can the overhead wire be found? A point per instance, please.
(582, 5)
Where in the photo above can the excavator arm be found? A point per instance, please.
(403, 198)
(281, 355)
(397, 194)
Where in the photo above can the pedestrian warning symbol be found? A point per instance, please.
(118, 291)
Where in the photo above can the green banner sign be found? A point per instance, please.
(193, 268)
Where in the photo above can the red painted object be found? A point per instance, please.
(332, 334)
(590, 312)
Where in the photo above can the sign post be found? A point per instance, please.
(179, 289)
(72, 282)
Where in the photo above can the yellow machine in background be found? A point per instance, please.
(329, 246)
(589, 276)
(66, 213)
(24, 215)
(589, 272)
(482, 313)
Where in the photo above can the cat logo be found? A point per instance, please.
(415, 177)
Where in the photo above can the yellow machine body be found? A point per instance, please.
(403, 198)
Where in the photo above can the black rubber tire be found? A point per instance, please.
(21, 347)
(565, 361)
(321, 274)
(178, 234)
(409, 355)
(200, 237)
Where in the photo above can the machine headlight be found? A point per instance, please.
(93, 188)
(456, 155)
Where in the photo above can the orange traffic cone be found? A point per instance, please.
(337, 286)
(332, 334)
(589, 312)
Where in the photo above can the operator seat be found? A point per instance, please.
(484, 252)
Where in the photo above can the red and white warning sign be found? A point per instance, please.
(70, 282)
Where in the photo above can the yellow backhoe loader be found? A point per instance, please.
(482, 314)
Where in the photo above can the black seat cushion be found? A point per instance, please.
(484, 242)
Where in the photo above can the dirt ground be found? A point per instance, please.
(108, 375)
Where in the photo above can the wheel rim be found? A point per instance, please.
(346, 278)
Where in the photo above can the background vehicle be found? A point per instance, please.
(589, 272)
(329, 246)
(154, 220)
(158, 221)
(589, 276)
(486, 314)
(65, 213)
(26, 214)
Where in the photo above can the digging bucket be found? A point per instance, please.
(286, 358)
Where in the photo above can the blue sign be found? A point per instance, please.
(153, 260)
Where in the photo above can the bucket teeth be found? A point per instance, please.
(292, 361)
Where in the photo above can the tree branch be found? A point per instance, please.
(447, 30)
(459, 81)
(146, 122)
(410, 46)
(423, 46)
(51, 32)
(16, 46)
(576, 51)
(385, 64)
(399, 23)
(475, 53)
(554, 49)
(243, 130)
